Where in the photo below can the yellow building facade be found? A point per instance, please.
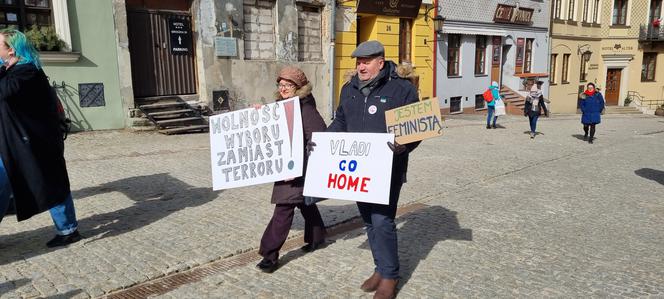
(406, 40)
(615, 44)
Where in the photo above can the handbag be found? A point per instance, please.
(500, 108)
(310, 200)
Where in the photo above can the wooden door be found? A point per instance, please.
(496, 56)
(612, 93)
(158, 66)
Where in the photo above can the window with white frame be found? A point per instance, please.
(259, 33)
(26, 15)
(557, 8)
(596, 11)
(620, 12)
(480, 55)
(528, 57)
(571, 10)
(309, 25)
(586, 9)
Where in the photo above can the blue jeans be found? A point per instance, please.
(491, 110)
(63, 215)
(533, 122)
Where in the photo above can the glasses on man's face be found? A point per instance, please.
(285, 86)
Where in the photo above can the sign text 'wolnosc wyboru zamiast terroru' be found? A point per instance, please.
(415, 122)
(256, 146)
(350, 166)
(400, 8)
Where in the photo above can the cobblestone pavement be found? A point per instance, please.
(505, 216)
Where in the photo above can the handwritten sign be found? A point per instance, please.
(350, 166)
(415, 122)
(256, 146)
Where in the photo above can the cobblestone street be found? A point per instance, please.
(487, 213)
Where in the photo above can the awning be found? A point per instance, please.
(473, 31)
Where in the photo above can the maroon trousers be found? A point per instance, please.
(277, 230)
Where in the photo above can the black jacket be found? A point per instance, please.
(31, 144)
(528, 107)
(354, 111)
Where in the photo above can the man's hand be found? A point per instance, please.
(396, 147)
(310, 147)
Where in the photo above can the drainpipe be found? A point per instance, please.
(333, 16)
(435, 50)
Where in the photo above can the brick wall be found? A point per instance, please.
(259, 29)
(309, 31)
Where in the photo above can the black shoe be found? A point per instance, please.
(267, 266)
(494, 126)
(585, 137)
(309, 247)
(590, 140)
(488, 126)
(64, 240)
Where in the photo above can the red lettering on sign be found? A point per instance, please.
(364, 184)
(347, 182)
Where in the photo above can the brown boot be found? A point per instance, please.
(371, 284)
(387, 289)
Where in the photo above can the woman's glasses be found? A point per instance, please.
(285, 86)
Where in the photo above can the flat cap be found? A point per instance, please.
(370, 48)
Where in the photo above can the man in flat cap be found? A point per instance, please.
(375, 89)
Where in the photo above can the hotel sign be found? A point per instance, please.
(400, 8)
(513, 15)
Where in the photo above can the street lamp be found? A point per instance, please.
(438, 23)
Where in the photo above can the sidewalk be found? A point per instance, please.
(500, 215)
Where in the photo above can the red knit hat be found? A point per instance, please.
(294, 75)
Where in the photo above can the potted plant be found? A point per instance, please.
(660, 110)
(45, 38)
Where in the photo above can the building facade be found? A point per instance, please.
(615, 44)
(408, 38)
(485, 41)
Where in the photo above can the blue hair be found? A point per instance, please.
(24, 49)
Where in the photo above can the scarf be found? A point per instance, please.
(589, 93)
(534, 98)
(366, 86)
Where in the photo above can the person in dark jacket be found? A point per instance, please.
(287, 195)
(31, 141)
(533, 108)
(376, 88)
(592, 105)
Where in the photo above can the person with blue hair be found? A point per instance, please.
(33, 172)
(491, 106)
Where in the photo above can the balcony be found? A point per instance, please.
(650, 33)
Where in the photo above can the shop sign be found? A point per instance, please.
(400, 8)
(617, 48)
(513, 15)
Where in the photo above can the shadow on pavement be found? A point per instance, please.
(66, 295)
(651, 174)
(155, 197)
(8, 286)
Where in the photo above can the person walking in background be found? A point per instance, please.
(592, 105)
(287, 195)
(491, 105)
(533, 108)
(33, 170)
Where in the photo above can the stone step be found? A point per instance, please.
(177, 120)
(163, 105)
(185, 129)
(162, 113)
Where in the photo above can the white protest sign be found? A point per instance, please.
(350, 166)
(256, 146)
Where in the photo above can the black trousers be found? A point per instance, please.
(276, 231)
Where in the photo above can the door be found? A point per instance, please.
(159, 66)
(496, 58)
(612, 93)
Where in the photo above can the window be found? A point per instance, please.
(571, 10)
(528, 59)
(259, 29)
(455, 104)
(479, 101)
(309, 33)
(655, 10)
(596, 12)
(453, 54)
(585, 59)
(405, 40)
(586, 3)
(23, 14)
(648, 67)
(518, 64)
(480, 55)
(553, 75)
(557, 8)
(620, 12)
(565, 78)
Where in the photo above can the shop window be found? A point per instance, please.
(455, 104)
(585, 60)
(259, 29)
(453, 54)
(309, 24)
(528, 58)
(553, 72)
(565, 70)
(620, 12)
(571, 10)
(648, 67)
(479, 101)
(557, 7)
(480, 55)
(405, 40)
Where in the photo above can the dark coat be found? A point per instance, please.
(591, 107)
(391, 91)
(31, 144)
(541, 106)
(291, 192)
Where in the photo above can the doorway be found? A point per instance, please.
(612, 93)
